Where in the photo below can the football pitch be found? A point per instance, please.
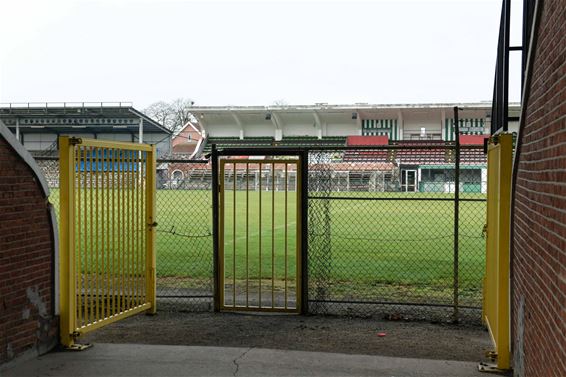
(383, 242)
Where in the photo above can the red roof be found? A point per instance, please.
(367, 140)
(472, 139)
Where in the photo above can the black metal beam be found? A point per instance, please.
(215, 228)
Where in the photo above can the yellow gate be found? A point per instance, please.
(107, 234)
(496, 315)
(260, 235)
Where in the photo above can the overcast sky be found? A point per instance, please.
(251, 53)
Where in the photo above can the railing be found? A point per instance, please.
(50, 105)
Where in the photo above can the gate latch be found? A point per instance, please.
(152, 225)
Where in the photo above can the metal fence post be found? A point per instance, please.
(67, 242)
(304, 232)
(215, 228)
(456, 212)
(151, 224)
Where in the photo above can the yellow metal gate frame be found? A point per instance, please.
(107, 272)
(221, 248)
(496, 296)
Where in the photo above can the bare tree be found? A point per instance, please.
(161, 112)
(181, 113)
(173, 115)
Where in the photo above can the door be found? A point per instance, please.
(409, 180)
(107, 234)
(259, 238)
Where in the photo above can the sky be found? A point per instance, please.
(236, 53)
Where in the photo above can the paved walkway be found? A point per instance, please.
(158, 360)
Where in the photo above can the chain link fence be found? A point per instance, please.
(381, 231)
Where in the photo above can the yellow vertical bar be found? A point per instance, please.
(121, 243)
(234, 238)
(67, 234)
(114, 210)
(273, 234)
(286, 176)
(78, 238)
(259, 235)
(107, 165)
(84, 252)
(128, 238)
(133, 231)
(125, 229)
(247, 232)
(503, 320)
(96, 244)
(221, 250)
(151, 219)
(136, 228)
(141, 219)
(101, 214)
(143, 184)
(91, 248)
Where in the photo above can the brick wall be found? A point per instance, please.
(539, 238)
(27, 320)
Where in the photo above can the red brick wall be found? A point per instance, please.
(27, 321)
(539, 254)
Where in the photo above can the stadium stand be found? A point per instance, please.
(357, 155)
(235, 142)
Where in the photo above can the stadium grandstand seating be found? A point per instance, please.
(311, 141)
(420, 155)
(358, 155)
(294, 141)
(235, 142)
(415, 155)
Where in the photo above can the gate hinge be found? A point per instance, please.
(484, 231)
(75, 140)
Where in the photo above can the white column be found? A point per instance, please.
(239, 124)
(442, 124)
(18, 129)
(400, 125)
(317, 124)
(140, 131)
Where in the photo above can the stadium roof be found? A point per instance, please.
(71, 117)
(348, 107)
(299, 114)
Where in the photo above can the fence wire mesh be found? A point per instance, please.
(381, 231)
(184, 235)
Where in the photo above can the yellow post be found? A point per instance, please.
(67, 241)
(496, 292)
(151, 224)
(503, 312)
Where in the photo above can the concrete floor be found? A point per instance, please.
(163, 360)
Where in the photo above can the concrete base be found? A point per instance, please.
(160, 360)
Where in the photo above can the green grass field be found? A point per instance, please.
(402, 243)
